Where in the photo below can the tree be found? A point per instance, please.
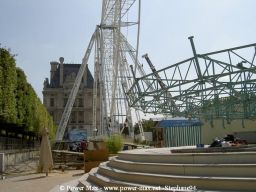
(148, 125)
(44, 120)
(30, 108)
(1, 93)
(19, 103)
(8, 86)
(21, 90)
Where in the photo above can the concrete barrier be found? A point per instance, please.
(16, 156)
(2, 162)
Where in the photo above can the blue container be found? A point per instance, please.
(199, 145)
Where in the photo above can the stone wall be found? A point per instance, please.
(244, 129)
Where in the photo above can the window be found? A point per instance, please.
(88, 101)
(80, 102)
(51, 102)
(73, 117)
(80, 117)
(89, 94)
(65, 100)
(88, 117)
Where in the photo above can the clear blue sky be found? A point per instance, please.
(42, 31)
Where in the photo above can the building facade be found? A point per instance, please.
(55, 96)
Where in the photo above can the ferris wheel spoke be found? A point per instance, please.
(111, 71)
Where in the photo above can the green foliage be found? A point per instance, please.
(21, 90)
(148, 125)
(114, 143)
(19, 103)
(136, 129)
(43, 119)
(8, 87)
(1, 92)
(51, 126)
(30, 109)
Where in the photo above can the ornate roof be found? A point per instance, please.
(69, 73)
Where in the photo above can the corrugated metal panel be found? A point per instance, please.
(182, 135)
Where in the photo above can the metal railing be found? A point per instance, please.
(8, 143)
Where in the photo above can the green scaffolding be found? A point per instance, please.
(220, 84)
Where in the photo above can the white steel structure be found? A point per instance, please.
(113, 56)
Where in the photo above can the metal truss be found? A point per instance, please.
(219, 84)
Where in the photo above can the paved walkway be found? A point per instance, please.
(23, 168)
(38, 182)
(23, 177)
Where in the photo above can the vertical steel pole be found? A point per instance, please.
(196, 58)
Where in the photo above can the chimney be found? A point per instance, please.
(54, 66)
(61, 70)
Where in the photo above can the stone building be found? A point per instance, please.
(55, 96)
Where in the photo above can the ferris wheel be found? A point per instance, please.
(115, 66)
